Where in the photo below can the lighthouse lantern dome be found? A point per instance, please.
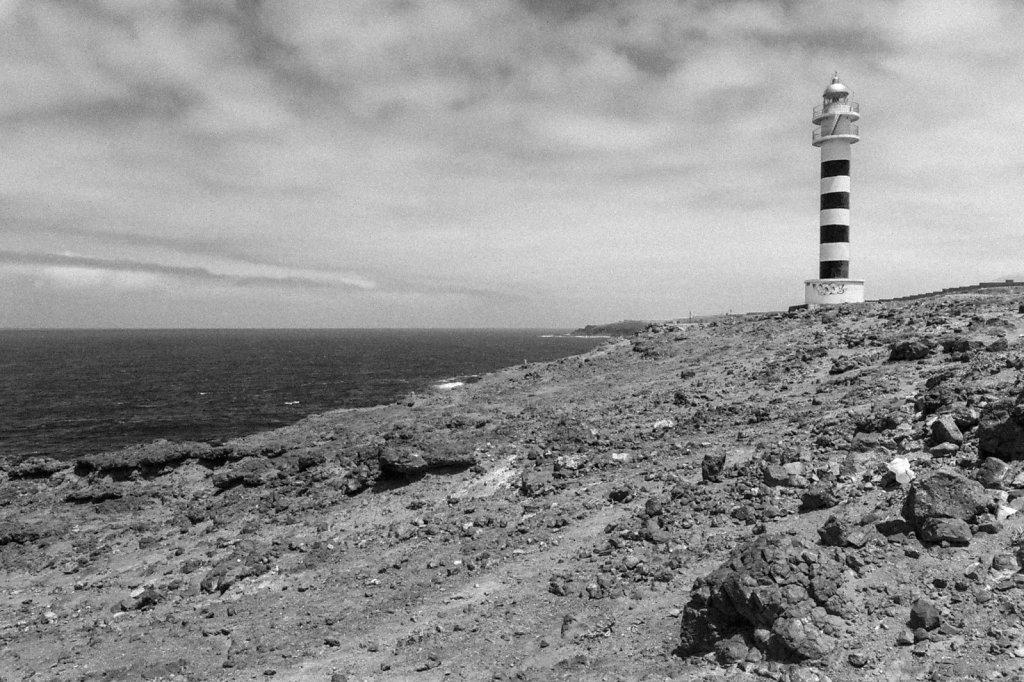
(836, 90)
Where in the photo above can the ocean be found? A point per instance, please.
(65, 394)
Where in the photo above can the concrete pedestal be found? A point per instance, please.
(833, 291)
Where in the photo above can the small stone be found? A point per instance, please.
(905, 638)
(945, 430)
(857, 659)
(953, 531)
(840, 533)
(712, 465)
(911, 349)
(820, 495)
(653, 507)
(944, 450)
(987, 523)
(1005, 562)
(992, 472)
(731, 650)
(924, 614)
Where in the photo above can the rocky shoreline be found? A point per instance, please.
(829, 494)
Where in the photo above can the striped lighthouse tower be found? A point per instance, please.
(835, 133)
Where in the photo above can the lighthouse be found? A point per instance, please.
(835, 133)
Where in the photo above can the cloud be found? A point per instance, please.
(72, 269)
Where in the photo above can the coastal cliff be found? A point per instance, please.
(817, 495)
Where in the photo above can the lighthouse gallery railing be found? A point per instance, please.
(849, 129)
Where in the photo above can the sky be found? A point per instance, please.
(490, 163)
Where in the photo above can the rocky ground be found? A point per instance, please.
(821, 495)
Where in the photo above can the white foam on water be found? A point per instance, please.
(449, 385)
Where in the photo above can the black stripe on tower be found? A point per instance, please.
(835, 200)
(834, 269)
(834, 234)
(832, 168)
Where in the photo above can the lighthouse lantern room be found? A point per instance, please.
(836, 131)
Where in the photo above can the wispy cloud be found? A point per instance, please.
(84, 265)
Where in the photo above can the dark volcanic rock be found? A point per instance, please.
(961, 344)
(403, 461)
(841, 533)
(845, 364)
(775, 586)
(924, 614)
(712, 465)
(953, 531)
(944, 495)
(732, 650)
(413, 461)
(945, 430)
(534, 483)
(1001, 431)
(820, 495)
(992, 472)
(911, 349)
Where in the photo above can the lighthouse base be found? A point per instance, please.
(833, 291)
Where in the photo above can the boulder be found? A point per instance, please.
(1001, 429)
(911, 349)
(402, 461)
(940, 506)
(781, 593)
(408, 460)
(961, 344)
